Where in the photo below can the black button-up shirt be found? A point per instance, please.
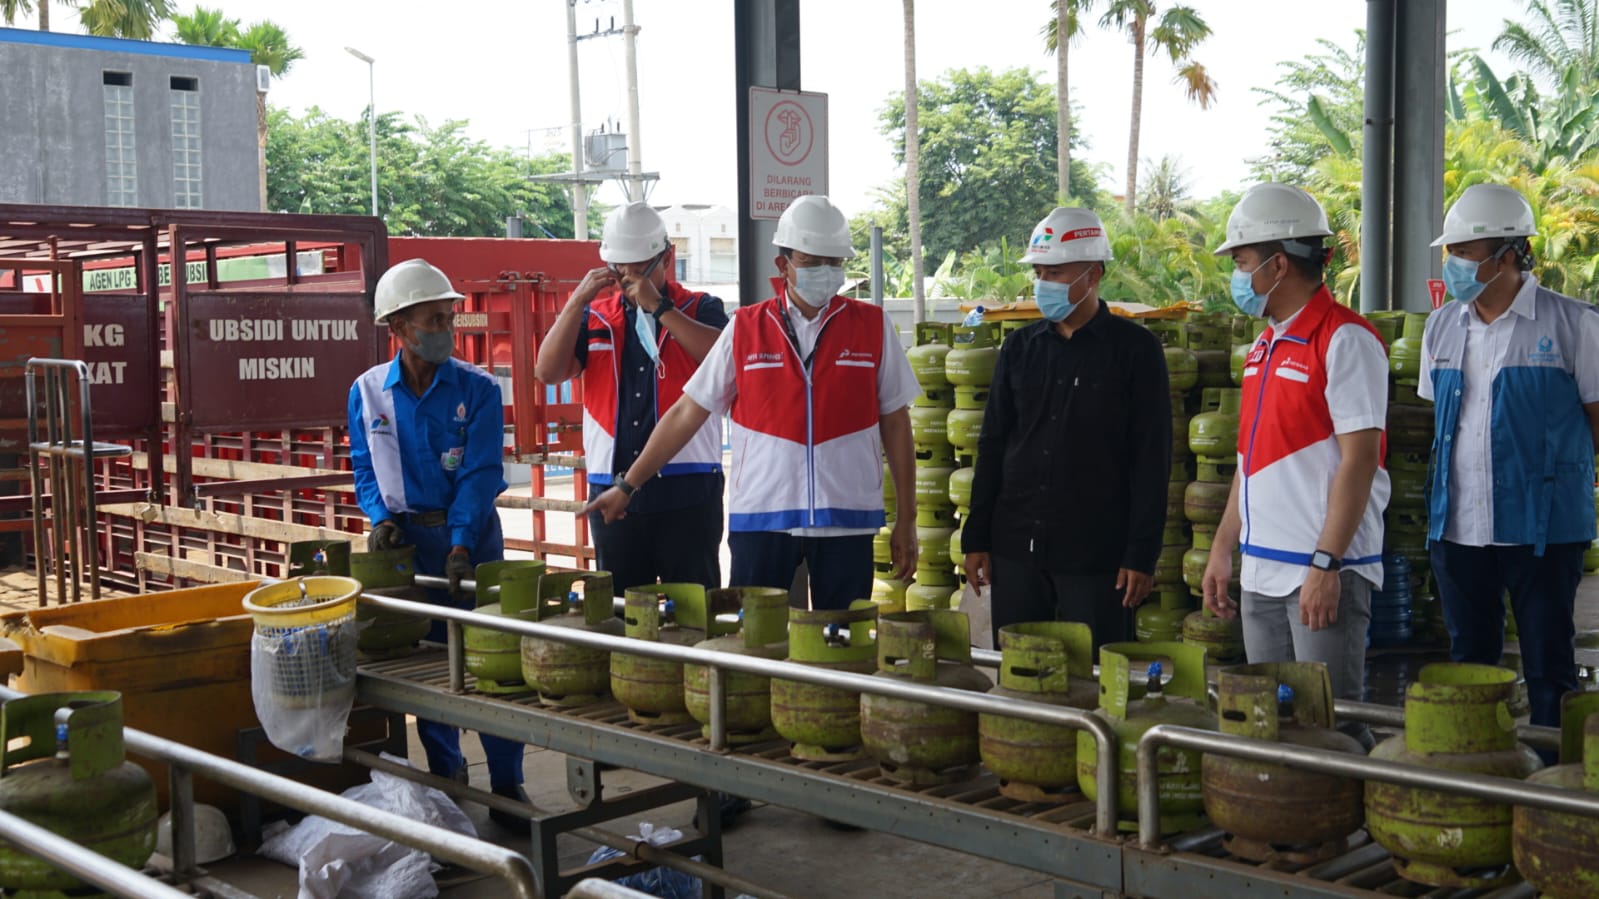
(1075, 451)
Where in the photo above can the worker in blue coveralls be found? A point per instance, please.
(426, 437)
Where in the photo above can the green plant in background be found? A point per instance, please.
(991, 273)
(1160, 262)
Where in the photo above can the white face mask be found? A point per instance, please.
(818, 284)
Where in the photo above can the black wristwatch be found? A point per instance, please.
(1326, 561)
(663, 306)
(626, 488)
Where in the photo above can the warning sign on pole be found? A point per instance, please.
(788, 149)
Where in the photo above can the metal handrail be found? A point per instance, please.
(1339, 764)
(947, 697)
(442, 844)
(82, 862)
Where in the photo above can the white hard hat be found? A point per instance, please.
(1271, 211)
(407, 284)
(213, 840)
(633, 233)
(1068, 234)
(1484, 211)
(812, 224)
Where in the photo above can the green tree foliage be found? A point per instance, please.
(432, 181)
(135, 19)
(1174, 31)
(1318, 107)
(988, 154)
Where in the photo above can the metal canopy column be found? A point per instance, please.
(766, 54)
(1376, 188)
(1418, 187)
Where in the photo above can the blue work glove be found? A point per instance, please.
(458, 567)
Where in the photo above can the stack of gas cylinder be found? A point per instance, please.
(970, 370)
(1213, 438)
(935, 463)
(1410, 434)
(954, 366)
(1160, 618)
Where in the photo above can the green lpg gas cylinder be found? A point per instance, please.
(824, 723)
(883, 551)
(63, 768)
(565, 675)
(495, 657)
(1205, 502)
(960, 487)
(1133, 708)
(914, 742)
(927, 356)
(1555, 851)
(920, 596)
(1274, 811)
(651, 689)
(1213, 433)
(1182, 369)
(1160, 618)
(1169, 564)
(392, 573)
(1222, 639)
(930, 431)
(1049, 662)
(760, 616)
(976, 350)
(932, 558)
(1404, 354)
(1457, 718)
(964, 424)
(888, 594)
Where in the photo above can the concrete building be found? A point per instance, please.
(92, 121)
(706, 238)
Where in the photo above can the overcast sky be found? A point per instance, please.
(502, 64)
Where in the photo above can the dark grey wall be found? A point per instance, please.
(52, 125)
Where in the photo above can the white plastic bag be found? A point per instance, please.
(339, 861)
(662, 882)
(303, 684)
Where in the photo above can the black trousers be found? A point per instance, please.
(681, 546)
(840, 567)
(1024, 592)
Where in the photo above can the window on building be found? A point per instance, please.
(121, 164)
(723, 246)
(186, 191)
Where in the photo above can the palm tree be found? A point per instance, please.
(913, 166)
(106, 18)
(1066, 22)
(1165, 194)
(1177, 30)
(1551, 42)
(136, 19)
(269, 46)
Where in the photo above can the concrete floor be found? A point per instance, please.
(787, 851)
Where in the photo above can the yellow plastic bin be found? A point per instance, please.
(180, 658)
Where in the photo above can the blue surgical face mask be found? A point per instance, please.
(1460, 277)
(1243, 290)
(644, 326)
(434, 346)
(818, 284)
(1054, 298)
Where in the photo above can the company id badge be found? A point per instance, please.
(451, 458)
